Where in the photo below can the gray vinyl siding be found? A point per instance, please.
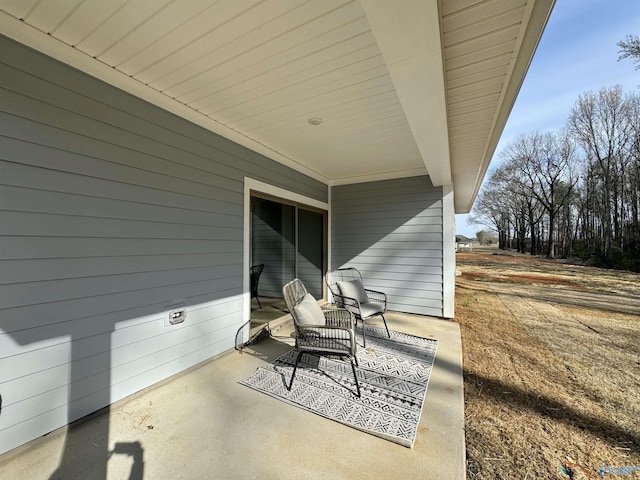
(111, 211)
(392, 232)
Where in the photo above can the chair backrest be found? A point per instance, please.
(293, 293)
(341, 275)
(256, 271)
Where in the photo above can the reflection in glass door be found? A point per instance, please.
(273, 244)
(310, 261)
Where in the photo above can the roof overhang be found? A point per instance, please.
(417, 87)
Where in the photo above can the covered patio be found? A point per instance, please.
(204, 424)
(152, 152)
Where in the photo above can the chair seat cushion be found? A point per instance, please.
(308, 312)
(368, 309)
(353, 289)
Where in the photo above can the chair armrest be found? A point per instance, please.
(347, 303)
(376, 296)
(326, 338)
(339, 317)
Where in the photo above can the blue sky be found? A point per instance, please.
(577, 53)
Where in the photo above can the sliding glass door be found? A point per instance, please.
(289, 241)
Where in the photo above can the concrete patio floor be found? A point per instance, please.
(202, 424)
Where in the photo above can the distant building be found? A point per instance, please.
(463, 242)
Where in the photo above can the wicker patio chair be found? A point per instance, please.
(348, 292)
(256, 271)
(320, 332)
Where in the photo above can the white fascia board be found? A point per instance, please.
(48, 45)
(409, 38)
(448, 252)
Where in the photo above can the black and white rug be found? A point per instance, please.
(393, 374)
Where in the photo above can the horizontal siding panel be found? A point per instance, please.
(412, 302)
(415, 184)
(395, 236)
(57, 225)
(408, 207)
(175, 360)
(18, 319)
(367, 260)
(80, 154)
(50, 188)
(418, 310)
(136, 358)
(394, 197)
(170, 160)
(22, 150)
(407, 228)
(396, 272)
(22, 294)
(426, 286)
(385, 245)
(45, 421)
(350, 221)
(35, 270)
(16, 247)
(53, 381)
(390, 230)
(412, 209)
(49, 406)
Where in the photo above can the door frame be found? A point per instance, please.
(252, 185)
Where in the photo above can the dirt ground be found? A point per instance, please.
(552, 368)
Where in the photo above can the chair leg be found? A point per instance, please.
(355, 376)
(385, 325)
(259, 304)
(295, 367)
(364, 335)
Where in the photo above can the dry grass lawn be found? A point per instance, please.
(552, 368)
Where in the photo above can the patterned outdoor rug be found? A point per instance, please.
(393, 375)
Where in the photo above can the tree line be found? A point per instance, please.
(574, 192)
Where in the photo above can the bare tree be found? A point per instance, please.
(490, 210)
(542, 167)
(630, 48)
(519, 203)
(485, 237)
(600, 122)
(633, 175)
(575, 191)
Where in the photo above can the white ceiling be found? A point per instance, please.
(403, 88)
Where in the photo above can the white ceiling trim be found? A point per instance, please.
(49, 45)
(414, 61)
